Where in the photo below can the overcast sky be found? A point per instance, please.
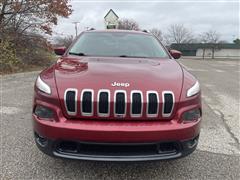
(197, 15)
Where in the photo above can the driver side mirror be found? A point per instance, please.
(175, 54)
(60, 51)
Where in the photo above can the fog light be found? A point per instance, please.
(43, 112)
(193, 142)
(40, 140)
(192, 115)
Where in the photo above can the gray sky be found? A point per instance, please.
(197, 15)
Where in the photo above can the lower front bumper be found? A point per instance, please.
(116, 151)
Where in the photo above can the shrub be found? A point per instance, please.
(8, 59)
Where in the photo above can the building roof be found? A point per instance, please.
(195, 46)
(110, 12)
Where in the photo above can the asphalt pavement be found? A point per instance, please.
(217, 156)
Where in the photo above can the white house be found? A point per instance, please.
(111, 20)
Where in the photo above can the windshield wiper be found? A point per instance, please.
(77, 54)
(132, 56)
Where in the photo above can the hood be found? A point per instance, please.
(105, 72)
(100, 73)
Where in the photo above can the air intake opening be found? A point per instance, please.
(152, 106)
(103, 104)
(71, 101)
(87, 102)
(114, 149)
(120, 103)
(136, 103)
(68, 147)
(168, 100)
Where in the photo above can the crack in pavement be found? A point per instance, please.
(228, 128)
(215, 110)
(222, 117)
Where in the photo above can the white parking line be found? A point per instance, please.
(218, 70)
(199, 70)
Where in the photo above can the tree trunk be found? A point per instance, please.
(203, 55)
(213, 51)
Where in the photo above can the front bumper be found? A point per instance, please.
(116, 131)
(116, 140)
(116, 151)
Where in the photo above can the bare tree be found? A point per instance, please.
(23, 25)
(64, 41)
(127, 24)
(157, 32)
(31, 15)
(204, 40)
(177, 33)
(212, 38)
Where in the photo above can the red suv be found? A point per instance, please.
(117, 96)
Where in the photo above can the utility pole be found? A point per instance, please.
(76, 27)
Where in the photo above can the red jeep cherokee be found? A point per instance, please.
(117, 96)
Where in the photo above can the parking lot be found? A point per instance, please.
(217, 156)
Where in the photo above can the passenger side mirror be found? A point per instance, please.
(175, 54)
(60, 51)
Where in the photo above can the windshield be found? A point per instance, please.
(118, 44)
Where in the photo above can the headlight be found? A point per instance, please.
(41, 85)
(193, 90)
(192, 115)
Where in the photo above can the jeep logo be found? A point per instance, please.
(120, 84)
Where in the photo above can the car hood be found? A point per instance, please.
(99, 73)
(102, 73)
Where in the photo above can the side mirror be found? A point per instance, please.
(175, 54)
(60, 50)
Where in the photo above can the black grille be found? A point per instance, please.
(114, 149)
(103, 105)
(136, 103)
(152, 103)
(168, 103)
(70, 101)
(120, 103)
(87, 102)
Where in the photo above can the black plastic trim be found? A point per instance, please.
(186, 148)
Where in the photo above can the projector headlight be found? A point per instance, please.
(42, 86)
(193, 90)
